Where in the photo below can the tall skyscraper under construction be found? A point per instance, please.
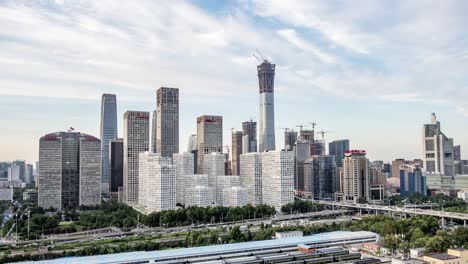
(266, 81)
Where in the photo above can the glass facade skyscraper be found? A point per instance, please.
(108, 132)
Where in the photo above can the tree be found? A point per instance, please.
(391, 242)
(437, 244)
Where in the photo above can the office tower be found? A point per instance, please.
(266, 81)
(355, 181)
(251, 176)
(317, 148)
(457, 152)
(29, 173)
(236, 150)
(154, 132)
(377, 176)
(387, 168)
(108, 132)
(20, 170)
(167, 101)
(136, 140)
(157, 190)
(301, 154)
(396, 164)
(70, 170)
(290, 138)
(277, 178)
(4, 170)
(235, 196)
(90, 171)
(320, 176)
(209, 138)
(249, 130)
(412, 180)
(438, 149)
(192, 148)
(224, 182)
(337, 148)
(198, 193)
(116, 165)
(213, 167)
(184, 166)
(14, 173)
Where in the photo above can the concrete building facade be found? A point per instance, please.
(209, 138)
(355, 179)
(277, 178)
(167, 120)
(249, 132)
(136, 140)
(236, 150)
(251, 176)
(184, 166)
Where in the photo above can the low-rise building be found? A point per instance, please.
(30, 195)
(442, 258)
(281, 235)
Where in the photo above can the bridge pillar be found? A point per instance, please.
(360, 211)
(442, 222)
(464, 223)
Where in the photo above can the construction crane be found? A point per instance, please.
(286, 129)
(260, 57)
(322, 132)
(313, 125)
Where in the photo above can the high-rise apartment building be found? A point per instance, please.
(167, 101)
(355, 178)
(184, 166)
(235, 196)
(154, 132)
(214, 167)
(412, 180)
(14, 172)
(21, 170)
(438, 149)
(251, 176)
(209, 138)
(290, 138)
(136, 140)
(116, 164)
(249, 131)
(236, 150)
(337, 148)
(108, 132)
(70, 170)
(277, 178)
(266, 82)
(198, 193)
(157, 190)
(225, 182)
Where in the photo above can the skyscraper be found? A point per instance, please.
(214, 167)
(301, 154)
(192, 147)
(412, 180)
(209, 138)
(21, 164)
(116, 164)
(154, 132)
(355, 181)
(136, 140)
(108, 132)
(290, 138)
(236, 150)
(337, 148)
(249, 130)
(167, 101)
(438, 149)
(157, 191)
(184, 166)
(251, 176)
(320, 176)
(29, 173)
(278, 178)
(69, 169)
(266, 82)
(197, 192)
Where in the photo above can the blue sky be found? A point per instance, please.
(370, 71)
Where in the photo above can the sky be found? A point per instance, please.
(368, 70)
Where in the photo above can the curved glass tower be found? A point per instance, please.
(266, 82)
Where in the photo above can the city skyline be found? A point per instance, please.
(384, 108)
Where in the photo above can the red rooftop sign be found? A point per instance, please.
(355, 151)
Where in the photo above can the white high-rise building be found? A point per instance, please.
(197, 191)
(184, 163)
(251, 176)
(90, 171)
(355, 178)
(136, 140)
(214, 166)
(266, 81)
(277, 178)
(157, 190)
(209, 138)
(225, 182)
(235, 196)
(438, 150)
